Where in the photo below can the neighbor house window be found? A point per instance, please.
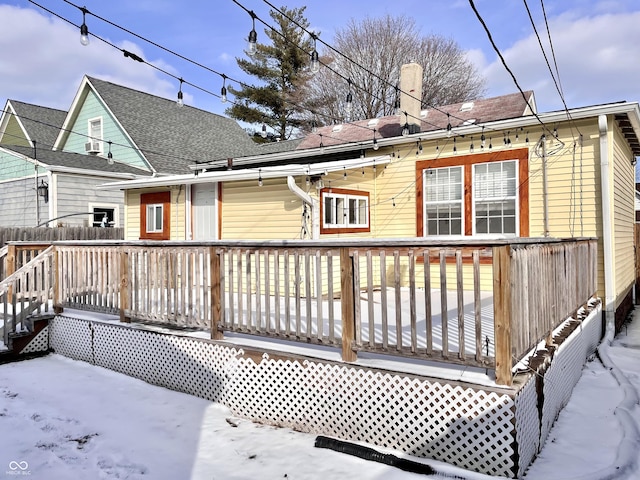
(344, 211)
(94, 142)
(154, 216)
(483, 194)
(103, 216)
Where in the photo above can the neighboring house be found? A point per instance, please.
(52, 161)
(486, 168)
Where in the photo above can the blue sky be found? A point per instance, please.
(597, 44)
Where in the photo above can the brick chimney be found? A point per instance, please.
(410, 96)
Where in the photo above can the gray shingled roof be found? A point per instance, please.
(170, 137)
(278, 147)
(42, 123)
(484, 110)
(75, 160)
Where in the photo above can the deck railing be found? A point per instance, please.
(468, 302)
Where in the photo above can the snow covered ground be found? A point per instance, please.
(62, 419)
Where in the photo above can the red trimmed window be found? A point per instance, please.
(344, 211)
(154, 216)
(485, 194)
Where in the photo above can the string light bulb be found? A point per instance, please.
(375, 140)
(180, 101)
(84, 30)
(259, 177)
(253, 36)
(471, 147)
(455, 147)
(397, 104)
(527, 138)
(321, 144)
(109, 154)
(483, 140)
(405, 128)
(349, 105)
(314, 64)
(419, 147)
(223, 90)
(314, 126)
(449, 129)
(263, 132)
(344, 174)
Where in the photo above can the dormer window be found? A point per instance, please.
(94, 136)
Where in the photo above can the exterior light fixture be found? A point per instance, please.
(349, 105)
(180, 101)
(84, 30)
(43, 191)
(253, 36)
(314, 64)
(405, 128)
(223, 90)
(109, 154)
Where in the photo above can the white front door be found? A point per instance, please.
(205, 211)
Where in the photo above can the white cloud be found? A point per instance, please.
(43, 62)
(596, 55)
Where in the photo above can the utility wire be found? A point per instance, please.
(504, 63)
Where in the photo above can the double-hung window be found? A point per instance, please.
(344, 211)
(494, 198)
(481, 194)
(443, 201)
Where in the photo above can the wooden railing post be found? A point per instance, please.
(502, 313)
(216, 296)
(348, 306)
(10, 268)
(56, 277)
(124, 286)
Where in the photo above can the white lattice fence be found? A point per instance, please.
(471, 428)
(474, 428)
(566, 368)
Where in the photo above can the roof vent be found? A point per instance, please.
(466, 107)
(471, 121)
(336, 128)
(424, 113)
(373, 122)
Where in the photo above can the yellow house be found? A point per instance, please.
(484, 169)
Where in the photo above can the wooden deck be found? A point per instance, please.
(474, 303)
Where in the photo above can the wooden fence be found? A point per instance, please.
(48, 235)
(473, 303)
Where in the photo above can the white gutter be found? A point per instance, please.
(240, 174)
(607, 230)
(313, 205)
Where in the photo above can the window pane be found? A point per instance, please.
(362, 212)
(352, 219)
(340, 211)
(328, 209)
(495, 193)
(158, 218)
(150, 219)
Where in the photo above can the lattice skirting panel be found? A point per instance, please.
(566, 368)
(39, 343)
(473, 427)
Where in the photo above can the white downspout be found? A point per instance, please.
(309, 200)
(607, 230)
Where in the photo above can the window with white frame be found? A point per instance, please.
(443, 201)
(154, 217)
(345, 210)
(103, 217)
(94, 142)
(495, 200)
